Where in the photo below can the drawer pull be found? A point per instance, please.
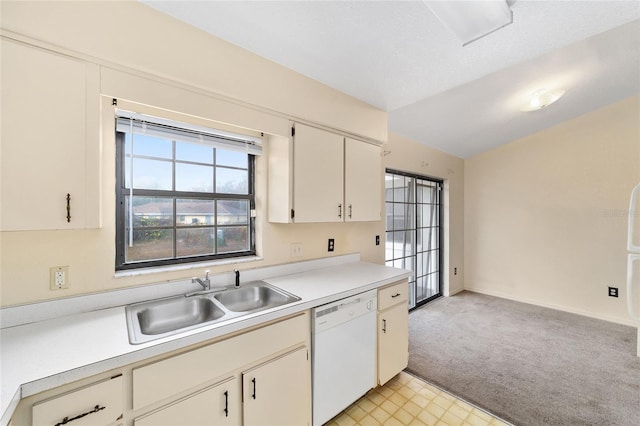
(66, 420)
(226, 403)
(395, 295)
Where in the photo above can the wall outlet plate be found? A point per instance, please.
(296, 250)
(331, 244)
(613, 291)
(59, 277)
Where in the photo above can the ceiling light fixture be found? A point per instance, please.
(471, 20)
(542, 98)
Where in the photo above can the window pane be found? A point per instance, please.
(234, 238)
(388, 186)
(399, 213)
(429, 237)
(194, 212)
(231, 158)
(233, 212)
(148, 146)
(231, 181)
(433, 261)
(190, 177)
(150, 244)
(151, 174)
(194, 152)
(149, 211)
(193, 242)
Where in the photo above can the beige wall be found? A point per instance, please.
(546, 216)
(208, 80)
(131, 36)
(410, 156)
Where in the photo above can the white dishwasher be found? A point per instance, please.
(344, 353)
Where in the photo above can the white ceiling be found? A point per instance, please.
(397, 56)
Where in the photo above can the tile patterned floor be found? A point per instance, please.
(407, 400)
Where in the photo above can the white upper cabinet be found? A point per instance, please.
(320, 176)
(49, 140)
(363, 180)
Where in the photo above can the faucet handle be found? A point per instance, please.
(206, 275)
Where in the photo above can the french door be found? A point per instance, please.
(414, 232)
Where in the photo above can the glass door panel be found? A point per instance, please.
(413, 235)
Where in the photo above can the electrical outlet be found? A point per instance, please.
(613, 291)
(296, 250)
(455, 271)
(377, 240)
(331, 244)
(59, 277)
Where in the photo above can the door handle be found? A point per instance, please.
(340, 210)
(226, 403)
(254, 388)
(384, 325)
(350, 211)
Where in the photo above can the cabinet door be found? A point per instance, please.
(393, 342)
(278, 392)
(363, 181)
(50, 109)
(217, 405)
(318, 176)
(94, 405)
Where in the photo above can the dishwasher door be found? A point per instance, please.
(343, 354)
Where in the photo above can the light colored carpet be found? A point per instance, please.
(527, 364)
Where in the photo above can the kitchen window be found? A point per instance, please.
(184, 193)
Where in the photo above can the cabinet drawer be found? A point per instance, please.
(171, 376)
(98, 404)
(393, 294)
(217, 405)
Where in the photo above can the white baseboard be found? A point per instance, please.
(553, 306)
(454, 291)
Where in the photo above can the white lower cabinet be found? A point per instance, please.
(201, 386)
(215, 405)
(393, 330)
(261, 377)
(99, 404)
(278, 392)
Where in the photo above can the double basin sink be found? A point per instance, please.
(159, 318)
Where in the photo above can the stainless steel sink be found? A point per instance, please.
(254, 296)
(177, 314)
(159, 318)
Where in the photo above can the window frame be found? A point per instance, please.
(122, 192)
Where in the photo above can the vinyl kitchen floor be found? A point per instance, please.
(407, 400)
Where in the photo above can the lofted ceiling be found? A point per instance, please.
(397, 56)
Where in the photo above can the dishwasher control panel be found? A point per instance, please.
(340, 311)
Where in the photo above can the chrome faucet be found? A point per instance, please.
(206, 283)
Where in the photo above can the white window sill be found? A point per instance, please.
(186, 266)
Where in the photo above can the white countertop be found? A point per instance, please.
(43, 355)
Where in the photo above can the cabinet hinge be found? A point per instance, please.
(293, 214)
(293, 131)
